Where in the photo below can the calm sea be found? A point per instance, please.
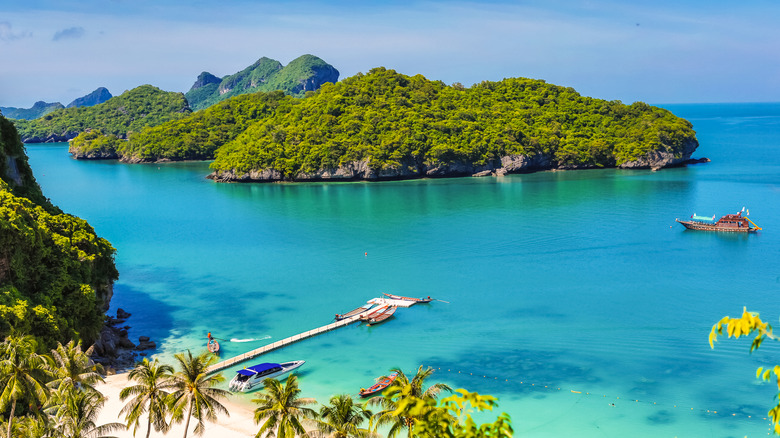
(573, 297)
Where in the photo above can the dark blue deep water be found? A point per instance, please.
(574, 297)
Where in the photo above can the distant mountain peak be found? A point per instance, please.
(39, 109)
(98, 96)
(205, 78)
(305, 73)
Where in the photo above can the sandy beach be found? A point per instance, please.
(240, 423)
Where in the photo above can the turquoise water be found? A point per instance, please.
(574, 280)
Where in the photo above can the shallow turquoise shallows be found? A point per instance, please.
(573, 297)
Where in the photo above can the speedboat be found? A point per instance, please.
(249, 377)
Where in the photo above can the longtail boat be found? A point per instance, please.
(416, 300)
(731, 223)
(376, 318)
(378, 386)
(213, 346)
(354, 312)
(374, 312)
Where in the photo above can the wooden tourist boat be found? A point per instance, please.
(416, 300)
(731, 223)
(374, 312)
(213, 346)
(378, 317)
(248, 378)
(379, 386)
(354, 312)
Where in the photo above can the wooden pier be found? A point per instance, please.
(281, 343)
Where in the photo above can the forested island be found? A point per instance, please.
(386, 125)
(56, 274)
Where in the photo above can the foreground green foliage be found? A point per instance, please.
(23, 375)
(748, 324)
(300, 75)
(53, 393)
(452, 417)
(130, 112)
(395, 122)
(55, 272)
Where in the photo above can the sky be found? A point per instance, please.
(656, 52)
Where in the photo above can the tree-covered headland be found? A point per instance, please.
(56, 274)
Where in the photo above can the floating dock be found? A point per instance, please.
(281, 343)
(293, 339)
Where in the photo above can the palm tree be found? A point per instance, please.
(282, 408)
(77, 414)
(400, 388)
(195, 392)
(23, 374)
(149, 395)
(342, 418)
(73, 367)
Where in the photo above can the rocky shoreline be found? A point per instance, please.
(509, 164)
(113, 349)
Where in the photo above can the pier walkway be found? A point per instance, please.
(281, 343)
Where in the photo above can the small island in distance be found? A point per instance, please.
(385, 125)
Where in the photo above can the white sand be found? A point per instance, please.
(240, 423)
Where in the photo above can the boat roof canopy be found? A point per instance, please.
(259, 368)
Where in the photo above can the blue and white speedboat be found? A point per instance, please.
(253, 376)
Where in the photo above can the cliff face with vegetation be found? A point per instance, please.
(386, 125)
(305, 73)
(130, 112)
(56, 274)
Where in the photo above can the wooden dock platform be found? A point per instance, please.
(281, 343)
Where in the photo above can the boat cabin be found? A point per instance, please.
(256, 372)
(733, 221)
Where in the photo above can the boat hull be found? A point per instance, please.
(379, 386)
(416, 300)
(377, 318)
(700, 226)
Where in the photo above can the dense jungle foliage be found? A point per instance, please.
(55, 272)
(93, 144)
(197, 137)
(130, 112)
(394, 120)
(264, 75)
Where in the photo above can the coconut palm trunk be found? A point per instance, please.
(11, 416)
(189, 415)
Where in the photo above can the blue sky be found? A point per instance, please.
(658, 52)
